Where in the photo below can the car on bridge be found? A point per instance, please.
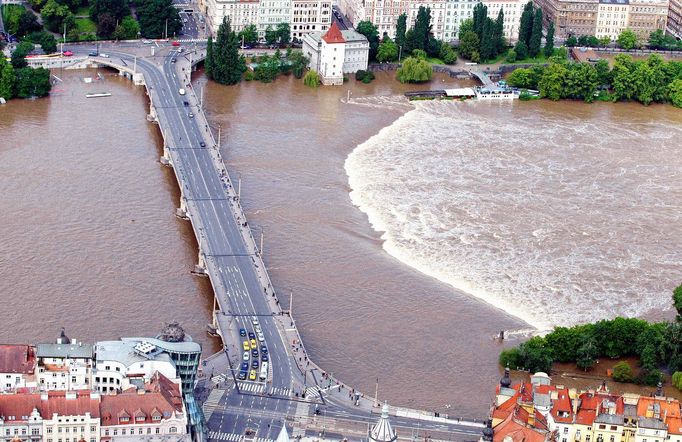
(242, 331)
(254, 363)
(258, 329)
(254, 353)
(242, 375)
(244, 366)
(67, 53)
(254, 344)
(264, 357)
(175, 43)
(252, 375)
(261, 338)
(252, 335)
(246, 356)
(263, 349)
(254, 320)
(246, 345)
(202, 144)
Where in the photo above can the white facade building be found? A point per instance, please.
(64, 365)
(310, 16)
(240, 13)
(456, 11)
(438, 15)
(272, 13)
(512, 16)
(335, 53)
(612, 18)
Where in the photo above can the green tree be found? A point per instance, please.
(536, 34)
(586, 355)
(401, 29)
(19, 54)
(128, 29)
(480, 15)
(54, 15)
(46, 41)
(582, 81)
(208, 63)
(499, 42)
(388, 50)
(648, 359)
(511, 56)
(116, 8)
(526, 24)
(106, 24)
(299, 62)
(249, 35)
(521, 50)
(468, 44)
(422, 28)
(604, 41)
(627, 39)
(571, 41)
(466, 26)
(563, 341)
(552, 84)
(622, 372)
(487, 46)
(510, 358)
(651, 80)
(549, 40)
(677, 293)
(228, 66)
(623, 79)
(536, 355)
(270, 35)
(603, 72)
(155, 16)
(32, 82)
(267, 68)
(370, 32)
(415, 69)
(675, 97)
(677, 380)
(311, 79)
(283, 33)
(7, 79)
(447, 54)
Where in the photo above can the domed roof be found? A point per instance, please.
(63, 339)
(506, 379)
(172, 332)
(382, 431)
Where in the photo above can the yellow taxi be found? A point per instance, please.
(254, 345)
(246, 346)
(252, 375)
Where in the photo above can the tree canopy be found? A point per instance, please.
(415, 69)
(158, 18)
(226, 65)
(370, 32)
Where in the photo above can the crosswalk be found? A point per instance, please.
(312, 392)
(251, 387)
(233, 437)
(212, 402)
(280, 391)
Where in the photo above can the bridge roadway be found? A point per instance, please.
(212, 206)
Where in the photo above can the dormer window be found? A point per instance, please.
(124, 419)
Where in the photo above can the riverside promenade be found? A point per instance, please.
(295, 392)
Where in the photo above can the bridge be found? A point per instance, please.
(483, 77)
(295, 392)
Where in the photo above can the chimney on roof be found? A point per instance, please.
(43, 396)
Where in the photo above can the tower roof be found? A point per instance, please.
(382, 431)
(283, 435)
(333, 35)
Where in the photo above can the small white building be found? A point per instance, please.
(335, 53)
(122, 364)
(64, 365)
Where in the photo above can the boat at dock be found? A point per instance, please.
(98, 94)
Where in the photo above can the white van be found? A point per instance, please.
(264, 371)
(181, 91)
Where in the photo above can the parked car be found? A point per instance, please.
(67, 53)
(245, 366)
(254, 363)
(246, 345)
(246, 356)
(254, 353)
(263, 349)
(252, 375)
(175, 43)
(264, 357)
(241, 376)
(191, 115)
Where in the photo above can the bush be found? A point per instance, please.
(364, 76)
(311, 79)
(414, 70)
(650, 378)
(622, 372)
(248, 76)
(511, 358)
(511, 56)
(677, 380)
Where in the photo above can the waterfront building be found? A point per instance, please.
(64, 365)
(612, 18)
(456, 11)
(17, 367)
(141, 413)
(647, 16)
(122, 364)
(674, 24)
(336, 53)
(303, 16)
(382, 13)
(19, 417)
(570, 17)
(438, 16)
(512, 16)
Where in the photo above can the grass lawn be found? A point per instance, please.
(85, 26)
(497, 59)
(434, 60)
(539, 59)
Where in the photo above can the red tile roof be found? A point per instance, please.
(18, 405)
(22, 404)
(562, 411)
(674, 425)
(668, 407)
(334, 34)
(516, 431)
(161, 397)
(17, 359)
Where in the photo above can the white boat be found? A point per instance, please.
(98, 94)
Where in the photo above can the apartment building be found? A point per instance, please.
(512, 15)
(612, 18)
(17, 366)
(674, 24)
(456, 12)
(647, 16)
(64, 365)
(310, 16)
(438, 16)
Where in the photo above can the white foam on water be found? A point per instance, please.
(555, 219)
